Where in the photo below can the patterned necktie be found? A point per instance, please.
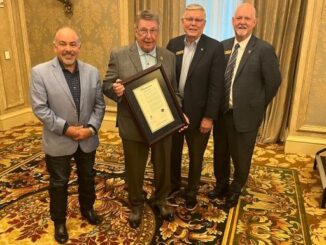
(228, 77)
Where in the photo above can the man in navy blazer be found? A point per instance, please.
(254, 82)
(200, 66)
(67, 97)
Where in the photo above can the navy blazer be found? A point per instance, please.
(255, 84)
(203, 90)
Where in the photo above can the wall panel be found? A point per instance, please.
(307, 130)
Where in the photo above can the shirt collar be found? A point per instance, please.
(142, 52)
(193, 43)
(63, 67)
(243, 44)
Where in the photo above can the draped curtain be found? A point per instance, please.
(218, 17)
(170, 13)
(280, 23)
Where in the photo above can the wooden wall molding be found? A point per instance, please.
(306, 63)
(304, 136)
(14, 70)
(17, 118)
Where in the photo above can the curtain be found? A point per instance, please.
(170, 13)
(218, 17)
(280, 23)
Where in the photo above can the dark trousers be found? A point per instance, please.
(59, 168)
(136, 154)
(197, 143)
(229, 143)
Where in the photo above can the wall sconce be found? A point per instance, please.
(2, 4)
(67, 6)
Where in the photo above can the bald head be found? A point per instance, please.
(67, 47)
(244, 21)
(66, 32)
(247, 7)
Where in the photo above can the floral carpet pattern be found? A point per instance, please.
(280, 204)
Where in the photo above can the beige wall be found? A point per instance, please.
(97, 23)
(307, 131)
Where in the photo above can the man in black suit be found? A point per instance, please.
(252, 78)
(200, 65)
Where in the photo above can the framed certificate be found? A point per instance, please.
(153, 104)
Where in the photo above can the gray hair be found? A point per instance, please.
(146, 15)
(195, 6)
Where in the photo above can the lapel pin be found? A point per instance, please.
(249, 51)
(227, 51)
(201, 49)
(179, 52)
(161, 58)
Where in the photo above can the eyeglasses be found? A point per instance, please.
(144, 32)
(191, 20)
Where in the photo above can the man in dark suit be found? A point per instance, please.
(125, 62)
(200, 66)
(252, 78)
(66, 96)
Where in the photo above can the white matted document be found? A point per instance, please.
(153, 104)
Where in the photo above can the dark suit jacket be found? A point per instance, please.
(205, 79)
(256, 82)
(125, 62)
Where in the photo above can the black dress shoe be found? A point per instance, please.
(191, 204)
(232, 199)
(165, 212)
(60, 233)
(91, 217)
(135, 217)
(218, 192)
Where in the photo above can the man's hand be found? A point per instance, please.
(78, 132)
(118, 88)
(185, 126)
(83, 133)
(206, 125)
(73, 131)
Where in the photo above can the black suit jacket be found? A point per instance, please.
(205, 79)
(256, 82)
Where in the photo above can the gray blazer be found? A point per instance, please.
(255, 84)
(53, 104)
(125, 62)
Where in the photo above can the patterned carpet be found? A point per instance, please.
(279, 206)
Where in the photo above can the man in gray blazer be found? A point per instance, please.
(66, 96)
(252, 78)
(125, 62)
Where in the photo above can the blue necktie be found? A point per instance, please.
(228, 77)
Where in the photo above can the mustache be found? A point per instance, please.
(68, 53)
(242, 26)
